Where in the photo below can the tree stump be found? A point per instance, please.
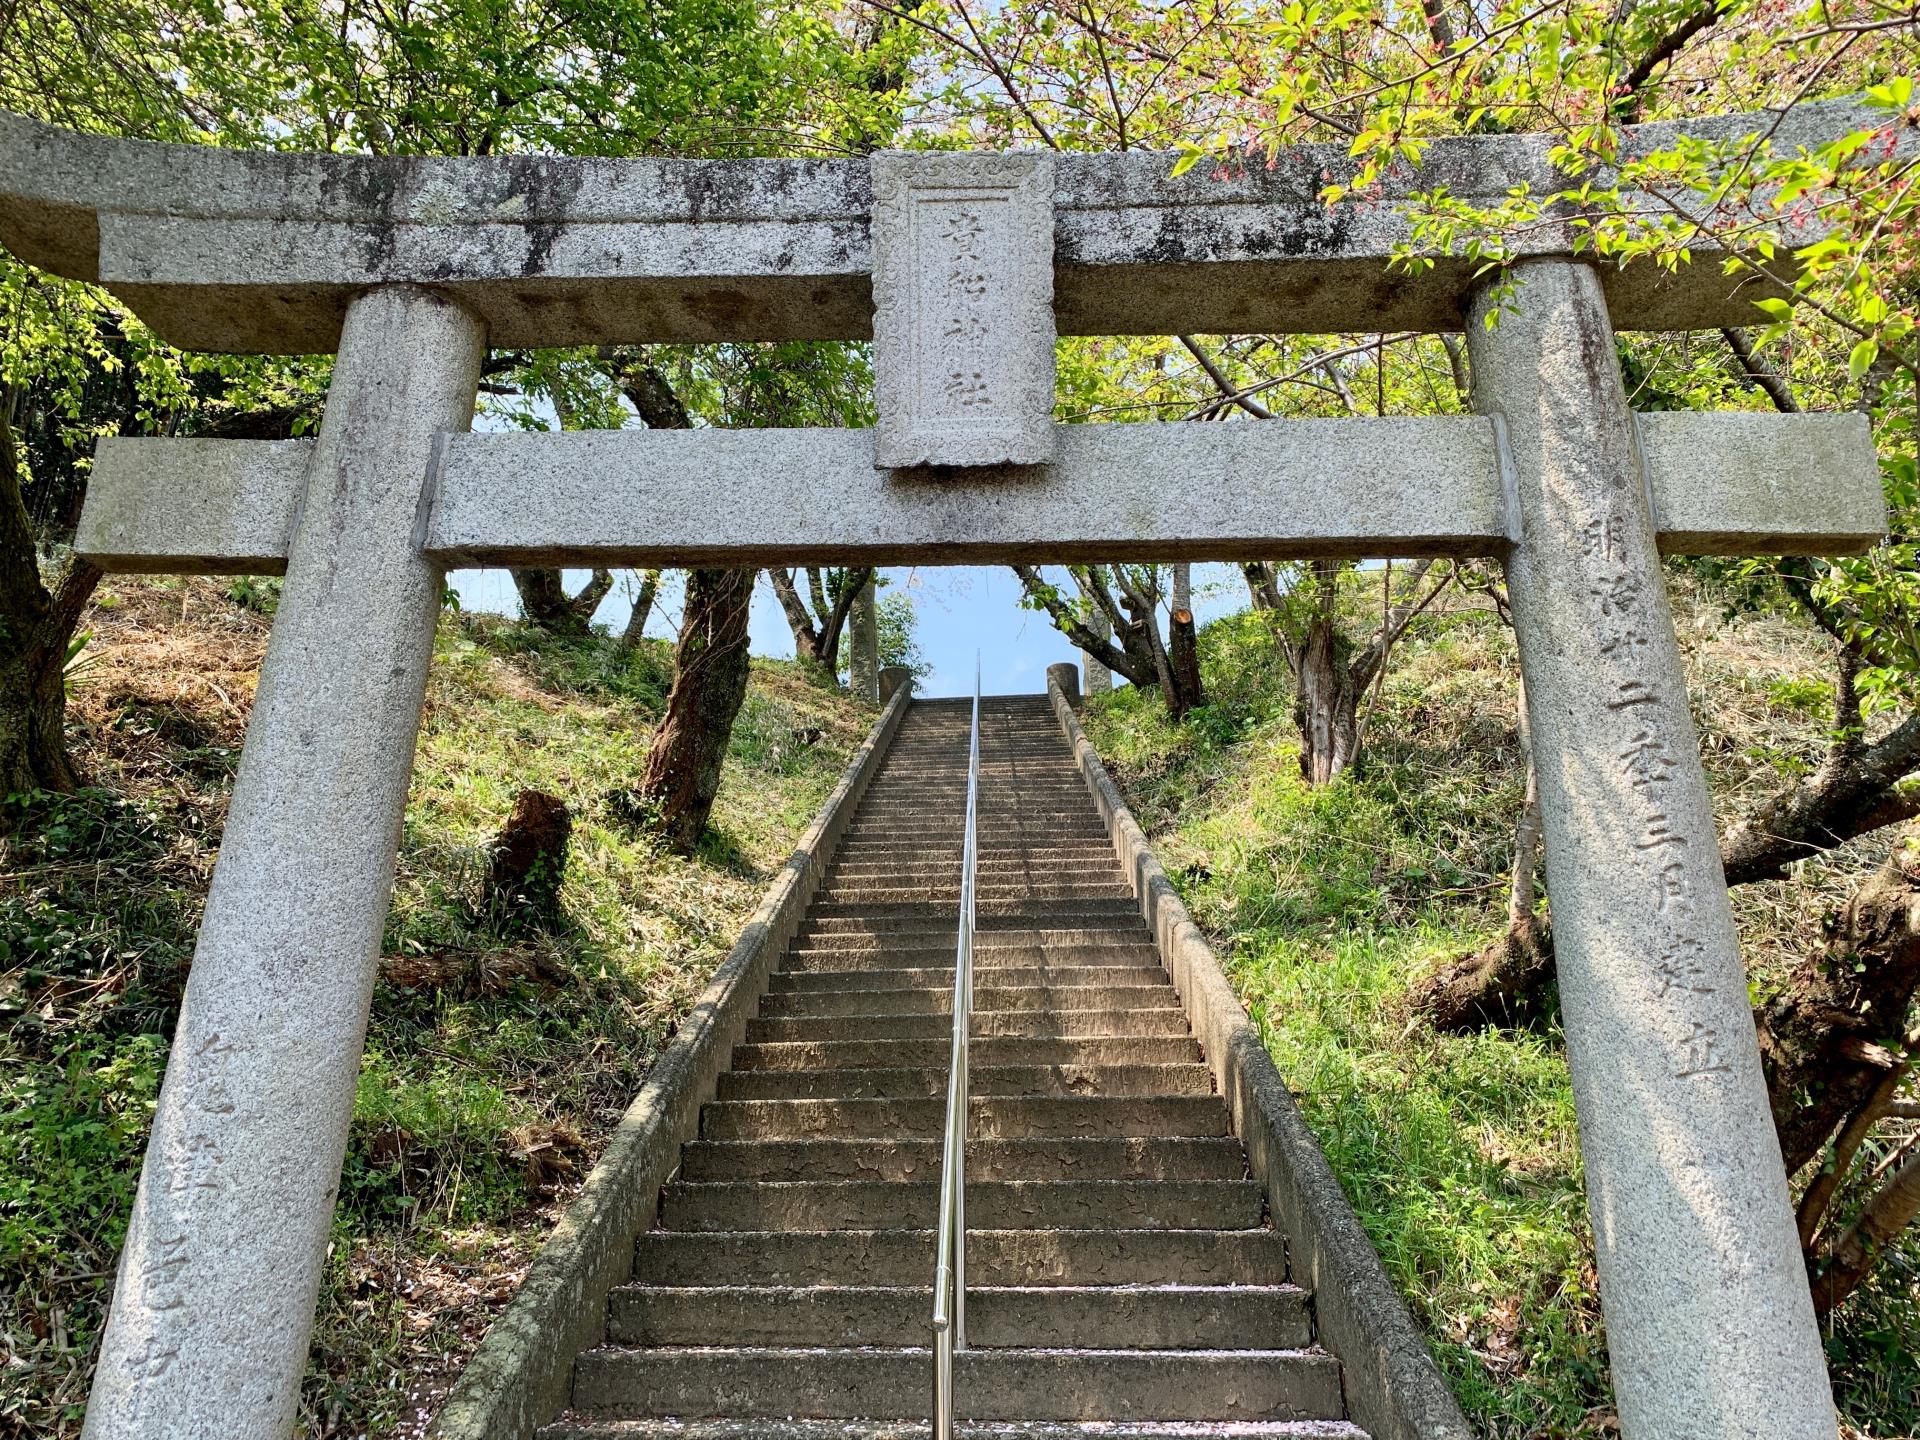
(529, 860)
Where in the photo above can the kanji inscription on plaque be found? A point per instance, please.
(963, 309)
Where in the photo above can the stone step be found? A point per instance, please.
(828, 916)
(813, 982)
(994, 1257)
(938, 945)
(1005, 870)
(947, 844)
(1102, 912)
(1065, 852)
(1001, 824)
(1014, 814)
(1063, 1023)
(1000, 805)
(947, 841)
(988, 840)
(938, 999)
(990, 934)
(1184, 1317)
(576, 1427)
(1002, 779)
(988, 1383)
(1118, 948)
(989, 1117)
(1002, 832)
(991, 843)
(992, 1050)
(1001, 1204)
(903, 1082)
(1002, 814)
(1051, 1158)
(896, 892)
(989, 941)
(1012, 753)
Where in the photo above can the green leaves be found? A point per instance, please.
(1896, 94)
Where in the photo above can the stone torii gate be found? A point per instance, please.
(962, 268)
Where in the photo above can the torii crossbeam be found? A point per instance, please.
(963, 268)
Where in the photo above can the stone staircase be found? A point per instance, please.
(1120, 1265)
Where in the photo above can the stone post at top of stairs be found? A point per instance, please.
(214, 1302)
(1067, 676)
(1710, 1326)
(892, 677)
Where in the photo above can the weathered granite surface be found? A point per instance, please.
(1726, 484)
(214, 1302)
(205, 507)
(963, 333)
(1710, 1328)
(234, 250)
(1065, 677)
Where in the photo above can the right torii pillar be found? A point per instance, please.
(1710, 1325)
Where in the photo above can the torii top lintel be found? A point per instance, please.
(259, 251)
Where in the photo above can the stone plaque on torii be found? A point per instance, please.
(962, 268)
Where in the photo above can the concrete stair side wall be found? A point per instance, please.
(521, 1375)
(1394, 1390)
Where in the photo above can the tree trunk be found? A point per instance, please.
(1263, 587)
(36, 628)
(1095, 677)
(642, 608)
(806, 636)
(1829, 1039)
(1130, 657)
(863, 628)
(1890, 1210)
(1327, 707)
(1505, 982)
(545, 602)
(1526, 857)
(682, 774)
(1183, 646)
(851, 583)
(1183, 656)
(817, 632)
(1855, 790)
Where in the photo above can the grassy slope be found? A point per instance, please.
(494, 1068)
(1459, 1152)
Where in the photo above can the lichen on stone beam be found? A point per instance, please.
(260, 251)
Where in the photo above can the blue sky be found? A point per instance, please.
(957, 610)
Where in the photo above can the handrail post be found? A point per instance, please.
(950, 1260)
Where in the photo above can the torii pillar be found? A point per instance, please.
(1710, 1325)
(214, 1301)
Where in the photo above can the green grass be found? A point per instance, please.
(1458, 1152)
(484, 1096)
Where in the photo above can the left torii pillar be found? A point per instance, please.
(213, 1307)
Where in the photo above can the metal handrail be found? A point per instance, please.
(950, 1260)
